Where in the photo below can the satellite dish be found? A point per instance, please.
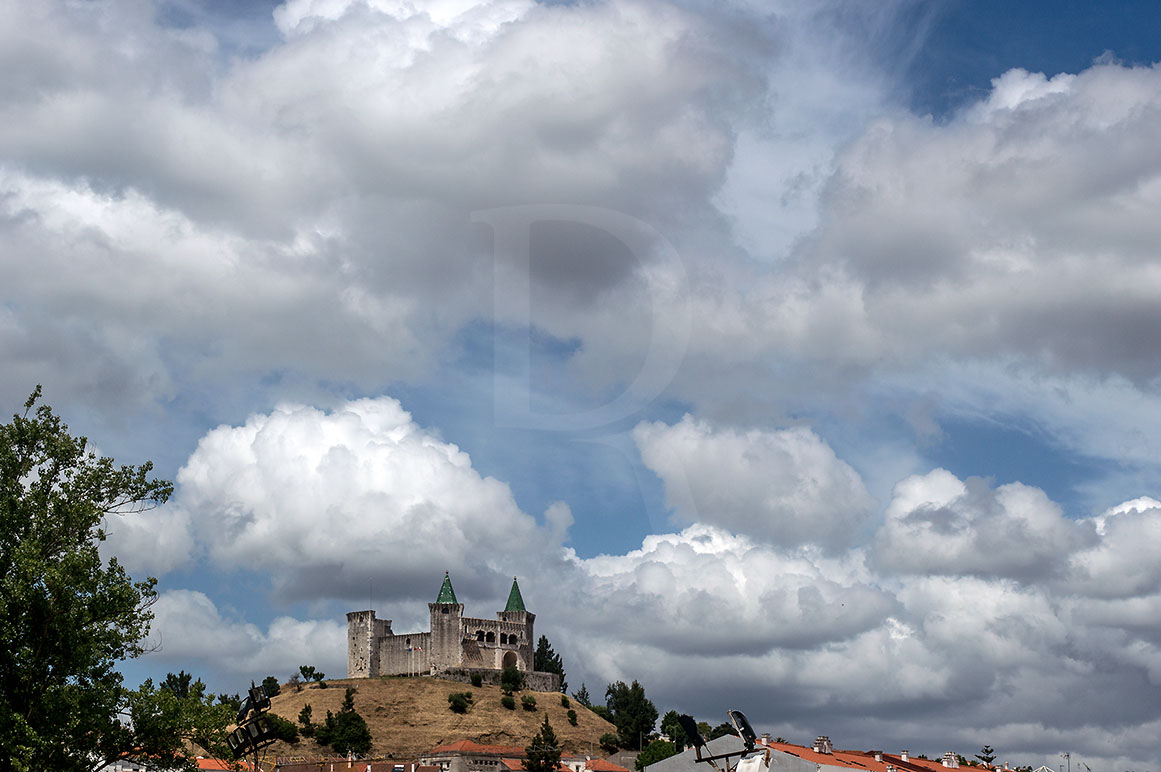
(742, 724)
(689, 726)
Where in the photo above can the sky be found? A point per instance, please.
(797, 357)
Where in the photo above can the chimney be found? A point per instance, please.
(822, 744)
(890, 768)
(878, 756)
(903, 756)
(765, 738)
(950, 760)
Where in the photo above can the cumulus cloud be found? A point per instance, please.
(938, 524)
(342, 498)
(190, 632)
(785, 486)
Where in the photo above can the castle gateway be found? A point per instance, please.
(455, 647)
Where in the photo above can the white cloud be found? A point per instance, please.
(786, 486)
(328, 501)
(190, 632)
(938, 524)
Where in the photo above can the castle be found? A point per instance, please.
(455, 647)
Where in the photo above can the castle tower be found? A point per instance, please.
(447, 633)
(363, 634)
(515, 613)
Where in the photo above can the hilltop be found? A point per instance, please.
(410, 716)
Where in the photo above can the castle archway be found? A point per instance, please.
(511, 660)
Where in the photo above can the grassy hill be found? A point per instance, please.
(410, 716)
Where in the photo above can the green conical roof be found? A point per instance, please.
(446, 593)
(515, 602)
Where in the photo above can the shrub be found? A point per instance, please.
(564, 703)
(528, 701)
(459, 702)
(511, 680)
(508, 701)
(609, 742)
(270, 686)
(572, 717)
(285, 730)
(477, 680)
(346, 732)
(304, 717)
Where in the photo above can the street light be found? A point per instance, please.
(256, 731)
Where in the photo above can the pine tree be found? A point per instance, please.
(543, 755)
(545, 660)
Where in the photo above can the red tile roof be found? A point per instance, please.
(600, 765)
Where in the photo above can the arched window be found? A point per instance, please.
(503, 638)
(479, 635)
(490, 637)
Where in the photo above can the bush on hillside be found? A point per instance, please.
(609, 742)
(528, 701)
(564, 703)
(572, 717)
(459, 702)
(511, 680)
(477, 680)
(508, 701)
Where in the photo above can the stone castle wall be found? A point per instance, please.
(534, 681)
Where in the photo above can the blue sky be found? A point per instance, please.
(795, 349)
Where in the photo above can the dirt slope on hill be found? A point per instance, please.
(410, 716)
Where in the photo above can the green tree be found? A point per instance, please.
(234, 701)
(543, 755)
(508, 701)
(459, 702)
(529, 702)
(347, 731)
(609, 742)
(603, 712)
(721, 730)
(582, 696)
(571, 717)
(633, 714)
(67, 615)
(286, 730)
(271, 686)
(511, 680)
(987, 754)
(304, 721)
(178, 684)
(310, 674)
(671, 727)
(655, 751)
(545, 660)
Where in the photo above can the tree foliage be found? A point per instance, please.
(271, 686)
(987, 754)
(671, 727)
(654, 752)
(459, 702)
(609, 742)
(347, 731)
(545, 660)
(543, 755)
(721, 730)
(67, 615)
(632, 713)
(511, 680)
(582, 696)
